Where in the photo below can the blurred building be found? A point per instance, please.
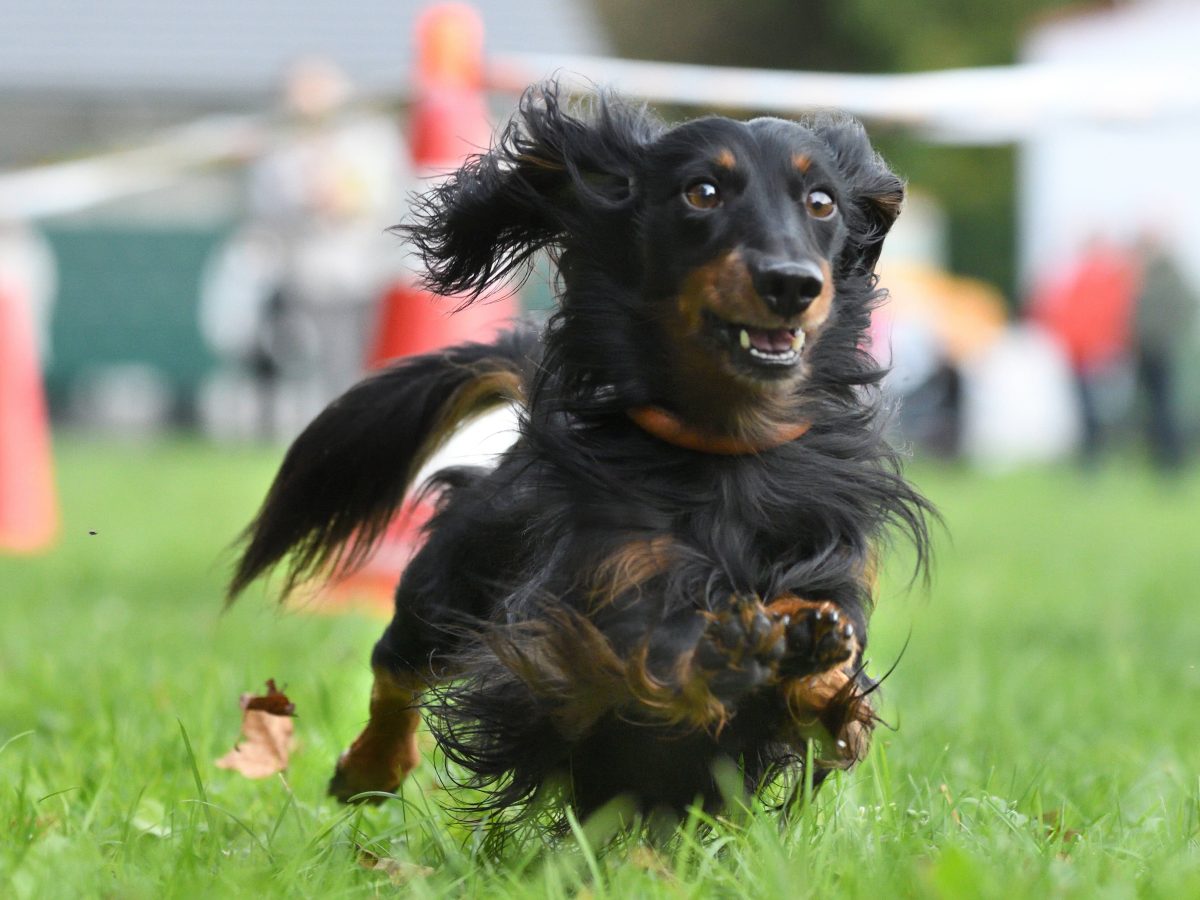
(81, 78)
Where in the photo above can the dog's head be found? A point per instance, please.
(703, 266)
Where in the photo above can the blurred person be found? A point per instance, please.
(1163, 322)
(1087, 308)
(290, 301)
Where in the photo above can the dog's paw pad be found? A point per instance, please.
(818, 639)
(741, 647)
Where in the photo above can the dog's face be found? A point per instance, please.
(706, 267)
(741, 227)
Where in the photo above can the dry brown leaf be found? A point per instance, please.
(648, 859)
(273, 701)
(1052, 820)
(397, 871)
(267, 732)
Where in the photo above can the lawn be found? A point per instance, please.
(1045, 714)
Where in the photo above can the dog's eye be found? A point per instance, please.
(703, 195)
(819, 205)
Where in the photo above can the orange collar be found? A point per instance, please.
(667, 426)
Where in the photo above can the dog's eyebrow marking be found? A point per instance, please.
(725, 159)
(802, 162)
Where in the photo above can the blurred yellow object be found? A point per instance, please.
(966, 315)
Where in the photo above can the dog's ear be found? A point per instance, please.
(553, 179)
(877, 194)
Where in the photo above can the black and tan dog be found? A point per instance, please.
(674, 563)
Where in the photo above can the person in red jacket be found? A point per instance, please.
(1088, 309)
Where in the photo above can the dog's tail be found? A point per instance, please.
(346, 475)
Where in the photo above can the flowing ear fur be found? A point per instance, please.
(878, 194)
(551, 180)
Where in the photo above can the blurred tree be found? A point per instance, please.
(976, 185)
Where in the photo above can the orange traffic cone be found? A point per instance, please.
(448, 121)
(28, 508)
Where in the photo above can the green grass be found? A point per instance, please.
(1050, 677)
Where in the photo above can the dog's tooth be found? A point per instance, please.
(744, 339)
(798, 340)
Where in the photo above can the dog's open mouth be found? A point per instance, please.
(771, 349)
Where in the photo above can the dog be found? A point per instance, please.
(672, 568)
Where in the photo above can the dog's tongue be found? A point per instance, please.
(773, 340)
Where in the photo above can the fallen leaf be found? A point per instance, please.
(268, 732)
(950, 802)
(648, 859)
(273, 701)
(1052, 820)
(397, 871)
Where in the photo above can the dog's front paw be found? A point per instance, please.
(819, 637)
(740, 649)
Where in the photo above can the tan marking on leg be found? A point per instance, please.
(791, 605)
(828, 708)
(386, 750)
(687, 697)
(683, 699)
(629, 567)
(870, 576)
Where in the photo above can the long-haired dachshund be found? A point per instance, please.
(674, 564)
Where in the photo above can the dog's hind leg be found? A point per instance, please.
(444, 588)
(386, 750)
(407, 660)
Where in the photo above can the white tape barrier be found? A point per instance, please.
(958, 106)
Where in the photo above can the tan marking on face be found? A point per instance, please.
(709, 391)
(815, 317)
(723, 287)
(802, 162)
(725, 159)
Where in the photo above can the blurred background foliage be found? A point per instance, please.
(975, 185)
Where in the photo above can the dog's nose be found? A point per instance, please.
(788, 288)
